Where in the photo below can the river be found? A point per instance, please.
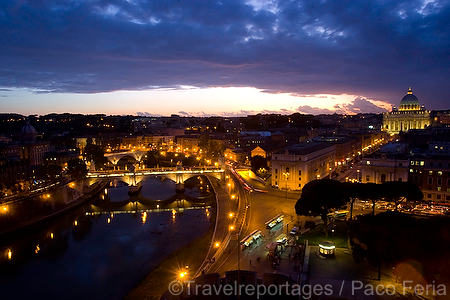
(103, 248)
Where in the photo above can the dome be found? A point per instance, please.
(28, 133)
(28, 129)
(409, 102)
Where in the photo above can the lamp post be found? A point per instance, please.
(286, 174)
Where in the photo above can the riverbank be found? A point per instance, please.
(40, 213)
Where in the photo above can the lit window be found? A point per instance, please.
(368, 162)
(430, 172)
(422, 163)
(440, 173)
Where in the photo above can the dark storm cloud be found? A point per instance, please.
(372, 48)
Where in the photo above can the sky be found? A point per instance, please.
(229, 57)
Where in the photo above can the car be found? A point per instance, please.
(294, 230)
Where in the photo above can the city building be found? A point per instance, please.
(409, 115)
(390, 163)
(295, 166)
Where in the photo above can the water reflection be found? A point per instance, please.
(103, 248)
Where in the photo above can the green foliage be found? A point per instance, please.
(211, 149)
(398, 191)
(189, 161)
(392, 237)
(319, 197)
(47, 172)
(153, 158)
(76, 168)
(95, 152)
(258, 162)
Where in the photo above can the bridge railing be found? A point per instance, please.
(154, 171)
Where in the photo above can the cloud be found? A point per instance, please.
(375, 49)
(183, 113)
(362, 105)
(306, 109)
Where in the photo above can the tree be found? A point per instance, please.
(152, 158)
(353, 191)
(319, 197)
(259, 166)
(393, 237)
(399, 191)
(211, 149)
(189, 161)
(373, 193)
(76, 168)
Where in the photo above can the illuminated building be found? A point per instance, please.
(409, 115)
(295, 166)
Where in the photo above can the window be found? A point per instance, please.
(431, 164)
(287, 169)
(439, 188)
(299, 179)
(438, 197)
(429, 196)
(422, 163)
(440, 164)
(299, 185)
(430, 180)
(276, 171)
(383, 178)
(412, 163)
(430, 172)
(439, 181)
(439, 173)
(368, 162)
(447, 198)
(276, 176)
(367, 178)
(400, 164)
(299, 172)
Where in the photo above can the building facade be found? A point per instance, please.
(390, 163)
(295, 166)
(409, 115)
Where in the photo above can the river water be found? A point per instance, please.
(103, 248)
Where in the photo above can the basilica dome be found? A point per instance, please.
(409, 102)
(28, 133)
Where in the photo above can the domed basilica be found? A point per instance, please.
(409, 115)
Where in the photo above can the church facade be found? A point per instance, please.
(409, 115)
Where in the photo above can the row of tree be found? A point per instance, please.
(319, 197)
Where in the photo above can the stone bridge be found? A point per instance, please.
(115, 157)
(178, 174)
